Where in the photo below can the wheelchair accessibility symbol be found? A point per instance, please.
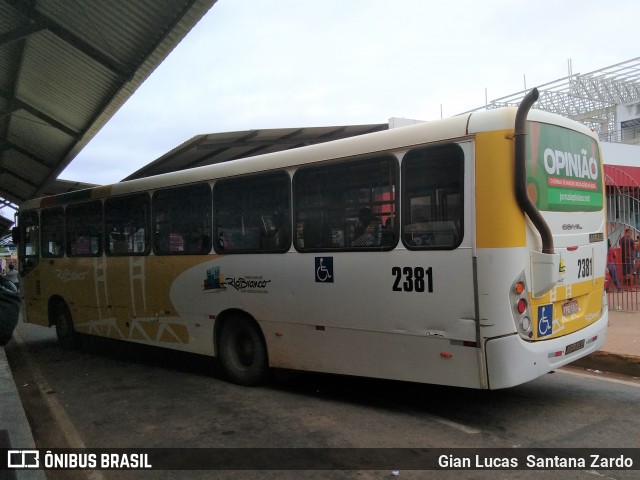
(324, 269)
(545, 320)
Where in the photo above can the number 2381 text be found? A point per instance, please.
(412, 279)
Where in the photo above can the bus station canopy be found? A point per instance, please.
(66, 67)
(223, 147)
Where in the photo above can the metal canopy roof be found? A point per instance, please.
(223, 147)
(590, 98)
(66, 66)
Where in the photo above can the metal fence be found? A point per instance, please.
(629, 135)
(623, 291)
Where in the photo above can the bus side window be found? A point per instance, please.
(127, 224)
(432, 197)
(252, 214)
(84, 228)
(52, 232)
(347, 206)
(182, 220)
(29, 247)
(312, 234)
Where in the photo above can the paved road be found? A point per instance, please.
(110, 394)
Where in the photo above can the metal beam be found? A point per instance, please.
(12, 146)
(20, 177)
(58, 125)
(249, 143)
(8, 111)
(20, 33)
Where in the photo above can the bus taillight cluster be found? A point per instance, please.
(521, 311)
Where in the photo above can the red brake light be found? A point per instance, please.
(521, 306)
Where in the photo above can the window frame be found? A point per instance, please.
(155, 238)
(336, 168)
(28, 262)
(142, 196)
(406, 205)
(44, 213)
(99, 236)
(285, 219)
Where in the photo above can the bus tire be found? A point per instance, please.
(242, 351)
(61, 317)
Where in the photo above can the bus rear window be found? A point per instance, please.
(564, 169)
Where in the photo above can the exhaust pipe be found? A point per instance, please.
(525, 203)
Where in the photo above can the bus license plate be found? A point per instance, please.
(574, 347)
(570, 308)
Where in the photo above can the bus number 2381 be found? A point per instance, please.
(412, 279)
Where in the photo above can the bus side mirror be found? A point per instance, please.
(15, 235)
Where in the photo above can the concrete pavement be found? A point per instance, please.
(621, 351)
(621, 354)
(14, 427)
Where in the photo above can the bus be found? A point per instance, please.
(468, 251)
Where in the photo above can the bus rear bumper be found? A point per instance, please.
(512, 361)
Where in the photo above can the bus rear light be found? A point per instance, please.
(446, 355)
(519, 296)
(519, 288)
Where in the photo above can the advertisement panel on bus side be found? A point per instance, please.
(564, 169)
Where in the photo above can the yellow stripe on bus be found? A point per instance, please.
(588, 295)
(499, 221)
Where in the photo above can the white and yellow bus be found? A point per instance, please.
(467, 251)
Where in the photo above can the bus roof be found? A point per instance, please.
(395, 139)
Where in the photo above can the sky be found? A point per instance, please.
(257, 64)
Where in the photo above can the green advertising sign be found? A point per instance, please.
(563, 169)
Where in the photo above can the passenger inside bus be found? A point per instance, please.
(366, 233)
(388, 236)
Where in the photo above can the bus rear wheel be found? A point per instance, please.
(61, 317)
(242, 351)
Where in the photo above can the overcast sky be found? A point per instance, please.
(252, 64)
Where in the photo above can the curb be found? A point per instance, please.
(15, 431)
(611, 362)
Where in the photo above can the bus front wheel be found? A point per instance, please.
(67, 336)
(242, 351)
